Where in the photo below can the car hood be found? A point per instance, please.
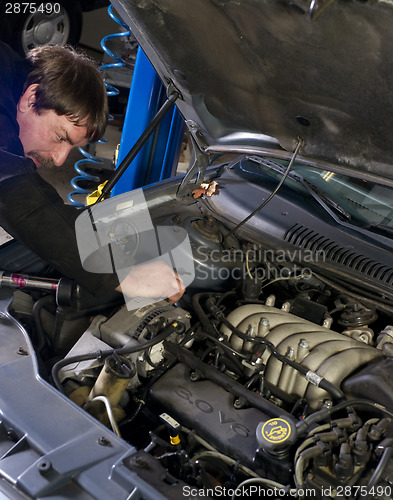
(254, 75)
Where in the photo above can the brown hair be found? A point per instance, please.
(70, 84)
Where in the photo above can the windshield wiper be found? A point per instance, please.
(318, 194)
(322, 198)
(334, 209)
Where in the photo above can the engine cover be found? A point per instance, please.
(208, 409)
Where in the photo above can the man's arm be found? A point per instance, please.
(32, 212)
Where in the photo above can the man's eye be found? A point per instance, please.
(60, 138)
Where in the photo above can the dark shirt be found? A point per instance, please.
(31, 209)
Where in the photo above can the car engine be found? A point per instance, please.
(266, 373)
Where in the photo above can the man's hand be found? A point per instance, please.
(154, 279)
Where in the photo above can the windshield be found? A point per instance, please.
(362, 203)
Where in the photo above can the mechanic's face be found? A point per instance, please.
(47, 138)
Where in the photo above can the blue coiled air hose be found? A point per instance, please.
(90, 160)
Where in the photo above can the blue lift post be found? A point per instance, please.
(158, 158)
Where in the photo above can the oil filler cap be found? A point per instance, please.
(276, 433)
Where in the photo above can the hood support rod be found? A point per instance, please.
(139, 144)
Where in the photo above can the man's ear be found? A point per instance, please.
(27, 99)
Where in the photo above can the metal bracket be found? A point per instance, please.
(314, 8)
(200, 163)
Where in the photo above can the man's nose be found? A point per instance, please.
(60, 155)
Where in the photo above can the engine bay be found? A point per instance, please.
(266, 374)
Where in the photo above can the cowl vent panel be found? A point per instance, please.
(306, 238)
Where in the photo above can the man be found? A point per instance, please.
(49, 104)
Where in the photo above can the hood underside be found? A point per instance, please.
(257, 74)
